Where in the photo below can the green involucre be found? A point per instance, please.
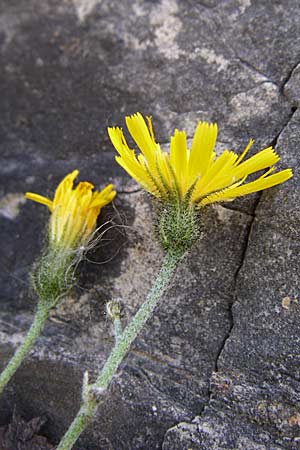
(53, 275)
(177, 226)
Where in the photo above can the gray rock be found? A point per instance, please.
(291, 87)
(70, 68)
(254, 397)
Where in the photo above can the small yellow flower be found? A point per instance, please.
(74, 211)
(194, 174)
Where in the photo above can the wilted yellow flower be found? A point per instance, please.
(74, 211)
(194, 174)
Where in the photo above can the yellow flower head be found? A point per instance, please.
(74, 211)
(195, 174)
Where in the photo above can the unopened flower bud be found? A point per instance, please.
(72, 223)
(114, 309)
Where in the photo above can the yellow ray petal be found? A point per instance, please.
(248, 188)
(165, 170)
(65, 185)
(179, 159)
(144, 171)
(155, 176)
(140, 133)
(207, 182)
(118, 139)
(202, 148)
(263, 159)
(104, 197)
(242, 156)
(39, 199)
(139, 173)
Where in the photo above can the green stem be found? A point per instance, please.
(117, 328)
(34, 331)
(118, 353)
(135, 326)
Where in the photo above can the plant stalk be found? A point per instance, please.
(33, 333)
(90, 405)
(117, 328)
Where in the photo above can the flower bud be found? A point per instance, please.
(114, 309)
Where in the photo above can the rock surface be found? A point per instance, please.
(218, 367)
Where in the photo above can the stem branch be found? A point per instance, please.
(119, 351)
(117, 328)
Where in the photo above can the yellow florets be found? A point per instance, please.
(74, 211)
(194, 175)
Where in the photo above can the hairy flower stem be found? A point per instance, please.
(117, 328)
(33, 333)
(90, 402)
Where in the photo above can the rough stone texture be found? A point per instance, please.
(254, 397)
(218, 365)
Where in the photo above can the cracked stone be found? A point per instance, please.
(254, 395)
(220, 335)
(291, 88)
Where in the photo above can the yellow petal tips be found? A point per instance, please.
(74, 211)
(194, 175)
(186, 179)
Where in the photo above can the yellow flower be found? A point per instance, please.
(74, 211)
(194, 174)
